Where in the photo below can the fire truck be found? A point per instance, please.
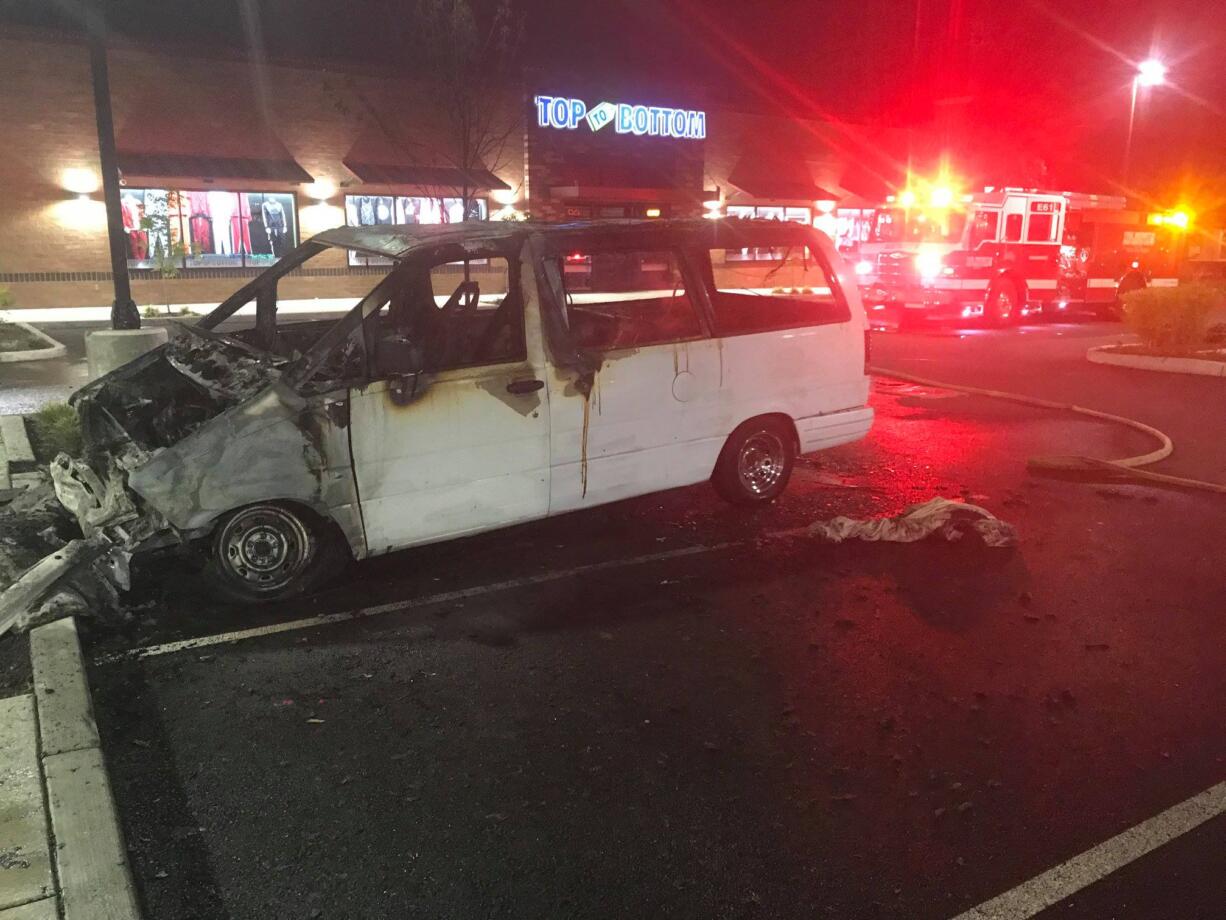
(1001, 254)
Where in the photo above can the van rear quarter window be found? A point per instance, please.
(792, 292)
(628, 298)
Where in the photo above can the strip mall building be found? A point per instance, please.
(226, 165)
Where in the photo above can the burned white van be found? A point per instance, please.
(497, 373)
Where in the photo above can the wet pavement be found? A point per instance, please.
(664, 707)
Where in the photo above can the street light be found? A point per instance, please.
(1150, 72)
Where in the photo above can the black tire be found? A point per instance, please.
(756, 463)
(1004, 304)
(272, 551)
(1133, 281)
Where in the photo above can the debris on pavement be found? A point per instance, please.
(942, 516)
(46, 570)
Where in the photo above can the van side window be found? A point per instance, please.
(793, 292)
(479, 316)
(456, 315)
(1013, 228)
(627, 299)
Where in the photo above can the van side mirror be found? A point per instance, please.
(397, 354)
(403, 387)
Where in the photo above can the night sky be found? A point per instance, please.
(1040, 88)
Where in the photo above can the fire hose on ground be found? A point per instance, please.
(1126, 468)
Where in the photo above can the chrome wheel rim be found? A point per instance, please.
(1004, 303)
(761, 462)
(264, 548)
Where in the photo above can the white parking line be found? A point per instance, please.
(1058, 883)
(168, 648)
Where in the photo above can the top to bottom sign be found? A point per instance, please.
(652, 120)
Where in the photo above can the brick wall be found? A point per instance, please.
(53, 247)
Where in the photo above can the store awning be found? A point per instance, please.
(617, 179)
(436, 176)
(776, 176)
(178, 166)
(871, 184)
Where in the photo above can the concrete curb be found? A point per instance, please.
(1102, 354)
(16, 454)
(25, 851)
(90, 858)
(54, 349)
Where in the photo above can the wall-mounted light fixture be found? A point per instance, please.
(320, 189)
(80, 210)
(80, 182)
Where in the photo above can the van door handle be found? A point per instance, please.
(520, 387)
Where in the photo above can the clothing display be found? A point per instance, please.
(222, 207)
(219, 227)
(200, 221)
(259, 242)
(241, 225)
(274, 224)
(133, 211)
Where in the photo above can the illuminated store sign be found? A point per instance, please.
(651, 120)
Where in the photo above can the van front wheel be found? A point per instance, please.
(269, 552)
(756, 462)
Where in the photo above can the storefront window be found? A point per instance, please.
(373, 210)
(764, 212)
(207, 229)
(853, 226)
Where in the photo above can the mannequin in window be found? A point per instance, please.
(222, 206)
(200, 220)
(138, 238)
(274, 224)
(366, 212)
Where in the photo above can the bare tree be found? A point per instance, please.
(469, 66)
(474, 64)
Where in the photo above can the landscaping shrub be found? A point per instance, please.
(54, 428)
(1173, 320)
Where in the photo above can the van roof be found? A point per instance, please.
(396, 241)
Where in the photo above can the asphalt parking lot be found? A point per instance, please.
(671, 707)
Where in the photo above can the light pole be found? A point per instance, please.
(1150, 72)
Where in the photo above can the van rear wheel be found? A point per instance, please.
(756, 463)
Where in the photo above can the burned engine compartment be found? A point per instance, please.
(167, 394)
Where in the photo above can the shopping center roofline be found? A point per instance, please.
(395, 241)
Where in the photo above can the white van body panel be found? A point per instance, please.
(462, 457)
(465, 456)
(658, 416)
(652, 422)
